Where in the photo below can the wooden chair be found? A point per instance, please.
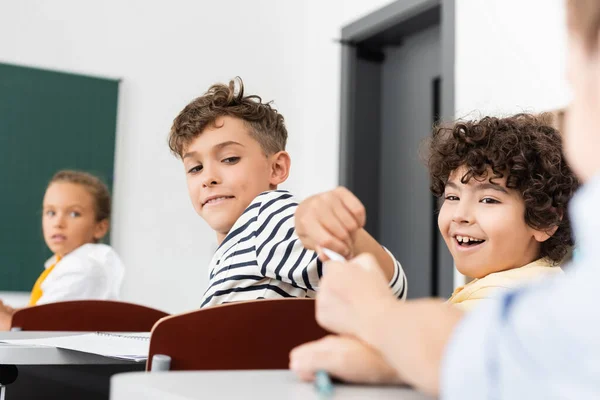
(87, 315)
(246, 335)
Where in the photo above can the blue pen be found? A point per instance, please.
(323, 384)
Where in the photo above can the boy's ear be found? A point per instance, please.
(543, 235)
(101, 229)
(280, 167)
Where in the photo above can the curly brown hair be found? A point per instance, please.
(529, 151)
(266, 124)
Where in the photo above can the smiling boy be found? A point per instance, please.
(233, 151)
(505, 187)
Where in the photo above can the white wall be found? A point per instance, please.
(510, 56)
(167, 53)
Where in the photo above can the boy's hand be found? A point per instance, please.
(343, 357)
(353, 297)
(330, 220)
(6, 313)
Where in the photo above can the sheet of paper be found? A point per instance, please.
(124, 346)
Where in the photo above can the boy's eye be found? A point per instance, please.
(195, 169)
(231, 160)
(451, 198)
(50, 213)
(488, 200)
(74, 214)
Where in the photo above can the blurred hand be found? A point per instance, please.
(330, 220)
(342, 357)
(353, 296)
(6, 313)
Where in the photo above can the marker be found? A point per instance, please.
(333, 256)
(323, 384)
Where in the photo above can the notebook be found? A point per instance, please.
(123, 346)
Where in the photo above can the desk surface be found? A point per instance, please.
(263, 385)
(37, 355)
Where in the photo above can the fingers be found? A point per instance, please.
(353, 205)
(343, 357)
(348, 294)
(310, 357)
(306, 376)
(321, 254)
(313, 226)
(342, 212)
(330, 310)
(324, 238)
(330, 220)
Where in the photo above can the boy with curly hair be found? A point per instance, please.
(504, 186)
(233, 151)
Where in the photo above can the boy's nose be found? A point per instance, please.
(210, 182)
(462, 215)
(210, 178)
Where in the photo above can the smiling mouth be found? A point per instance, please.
(467, 242)
(216, 200)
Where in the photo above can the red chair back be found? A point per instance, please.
(87, 315)
(246, 335)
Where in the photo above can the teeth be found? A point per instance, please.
(217, 199)
(466, 239)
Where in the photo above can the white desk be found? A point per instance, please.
(263, 385)
(37, 355)
(49, 373)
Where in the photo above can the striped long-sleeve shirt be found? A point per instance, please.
(263, 258)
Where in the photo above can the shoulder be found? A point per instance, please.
(266, 209)
(511, 279)
(261, 207)
(276, 210)
(517, 276)
(269, 202)
(97, 253)
(89, 259)
(472, 302)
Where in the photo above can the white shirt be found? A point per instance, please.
(540, 341)
(263, 258)
(90, 272)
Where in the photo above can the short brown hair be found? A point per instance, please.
(583, 18)
(266, 124)
(93, 185)
(525, 148)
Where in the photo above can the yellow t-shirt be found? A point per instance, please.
(472, 294)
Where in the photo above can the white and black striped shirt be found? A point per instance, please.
(262, 257)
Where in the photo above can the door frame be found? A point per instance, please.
(362, 45)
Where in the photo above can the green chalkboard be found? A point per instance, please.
(49, 121)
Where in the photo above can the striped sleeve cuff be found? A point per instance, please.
(398, 281)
